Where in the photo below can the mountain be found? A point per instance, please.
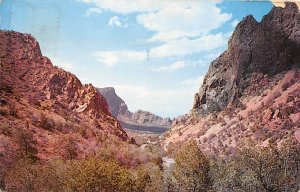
(265, 48)
(48, 103)
(252, 89)
(140, 120)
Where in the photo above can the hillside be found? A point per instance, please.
(138, 121)
(48, 103)
(251, 90)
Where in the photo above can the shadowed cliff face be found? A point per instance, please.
(255, 50)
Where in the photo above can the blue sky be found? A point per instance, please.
(154, 52)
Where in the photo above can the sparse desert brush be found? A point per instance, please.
(17, 97)
(5, 128)
(13, 111)
(4, 111)
(69, 149)
(46, 122)
(6, 88)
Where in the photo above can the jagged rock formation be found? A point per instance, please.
(254, 50)
(37, 94)
(252, 91)
(141, 118)
(116, 105)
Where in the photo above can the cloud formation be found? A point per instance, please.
(185, 46)
(170, 68)
(183, 27)
(183, 19)
(93, 10)
(115, 21)
(111, 58)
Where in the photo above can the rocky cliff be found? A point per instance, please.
(252, 91)
(256, 49)
(141, 118)
(48, 101)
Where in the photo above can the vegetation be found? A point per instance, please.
(119, 166)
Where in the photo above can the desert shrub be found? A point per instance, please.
(4, 111)
(191, 171)
(93, 174)
(46, 123)
(17, 97)
(6, 88)
(35, 102)
(13, 112)
(5, 129)
(243, 106)
(27, 175)
(69, 148)
(256, 168)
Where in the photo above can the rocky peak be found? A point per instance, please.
(117, 106)
(265, 48)
(119, 109)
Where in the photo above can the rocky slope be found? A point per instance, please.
(48, 102)
(252, 90)
(254, 50)
(143, 119)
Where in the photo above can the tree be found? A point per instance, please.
(192, 169)
(26, 144)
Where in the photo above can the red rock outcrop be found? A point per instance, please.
(32, 86)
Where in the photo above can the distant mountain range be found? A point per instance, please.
(139, 120)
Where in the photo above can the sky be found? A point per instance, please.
(155, 53)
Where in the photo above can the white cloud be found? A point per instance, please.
(111, 58)
(185, 46)
(234, 23)
(170, 19)
(128, 6)
(184, 27)
(94, 10)
(183, 19)
(280, 3)
(115, 21)
(179, 47)
(170, 68)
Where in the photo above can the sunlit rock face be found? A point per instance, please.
(49, 102)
